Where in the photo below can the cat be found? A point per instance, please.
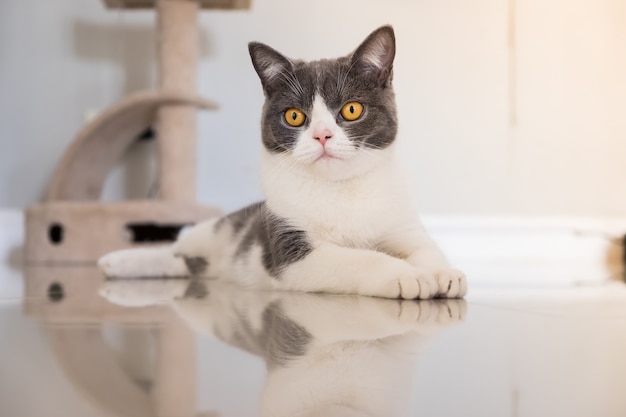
(337, 216)
(326, 355)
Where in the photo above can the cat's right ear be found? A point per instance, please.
(269, 64)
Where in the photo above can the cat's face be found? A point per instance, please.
(333, 118)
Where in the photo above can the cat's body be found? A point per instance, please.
(337, 216)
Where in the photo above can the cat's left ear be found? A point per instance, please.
(269, 65)
(374, 57)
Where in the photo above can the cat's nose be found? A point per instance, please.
(322, 135)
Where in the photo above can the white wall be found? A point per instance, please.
(563, 155)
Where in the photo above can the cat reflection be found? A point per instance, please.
(326, 355)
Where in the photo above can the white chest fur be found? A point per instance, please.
(355, 212)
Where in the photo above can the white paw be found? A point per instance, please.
(426, 283)
(142, 262)
(119, 264)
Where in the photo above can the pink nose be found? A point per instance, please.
(322, 135)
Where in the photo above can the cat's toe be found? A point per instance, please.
(451, 283)
(408, 287)
(408, 283)
(417, 284)
(427, 282)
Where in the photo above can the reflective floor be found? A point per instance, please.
(75, 345)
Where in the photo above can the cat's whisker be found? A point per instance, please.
(345, 77)
(288, 163)
(296, 83)
(344, 150)
(338, 82)
(367, 145)
(293, 83)
(371, 154)
(288, 78)
(284, 149)
(285, 163)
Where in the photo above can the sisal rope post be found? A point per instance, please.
(177, 55)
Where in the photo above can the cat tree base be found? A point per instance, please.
(79, 233)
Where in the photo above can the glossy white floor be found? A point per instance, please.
(181, 348)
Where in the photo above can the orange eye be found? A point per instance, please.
(352, 111)
(295, 117)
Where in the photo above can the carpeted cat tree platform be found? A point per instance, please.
(72, 226)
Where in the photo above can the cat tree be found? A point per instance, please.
(72, 225)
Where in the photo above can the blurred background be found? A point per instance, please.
(509, 107)
(512, 112)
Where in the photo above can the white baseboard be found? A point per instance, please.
(532, 252)
(493, 251)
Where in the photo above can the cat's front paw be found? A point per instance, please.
(427, 283)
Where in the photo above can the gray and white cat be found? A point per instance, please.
(338, 217)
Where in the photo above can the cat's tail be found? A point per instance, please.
(143, 263)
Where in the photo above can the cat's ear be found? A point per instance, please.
(269, 64)
(374, 57)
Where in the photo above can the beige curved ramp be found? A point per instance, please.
(81, 173)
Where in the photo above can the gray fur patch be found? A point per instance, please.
(282, 244)
(196, 265)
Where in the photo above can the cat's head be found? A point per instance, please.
(334, 118)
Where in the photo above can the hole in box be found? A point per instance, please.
(153, 232)
(55, 233)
